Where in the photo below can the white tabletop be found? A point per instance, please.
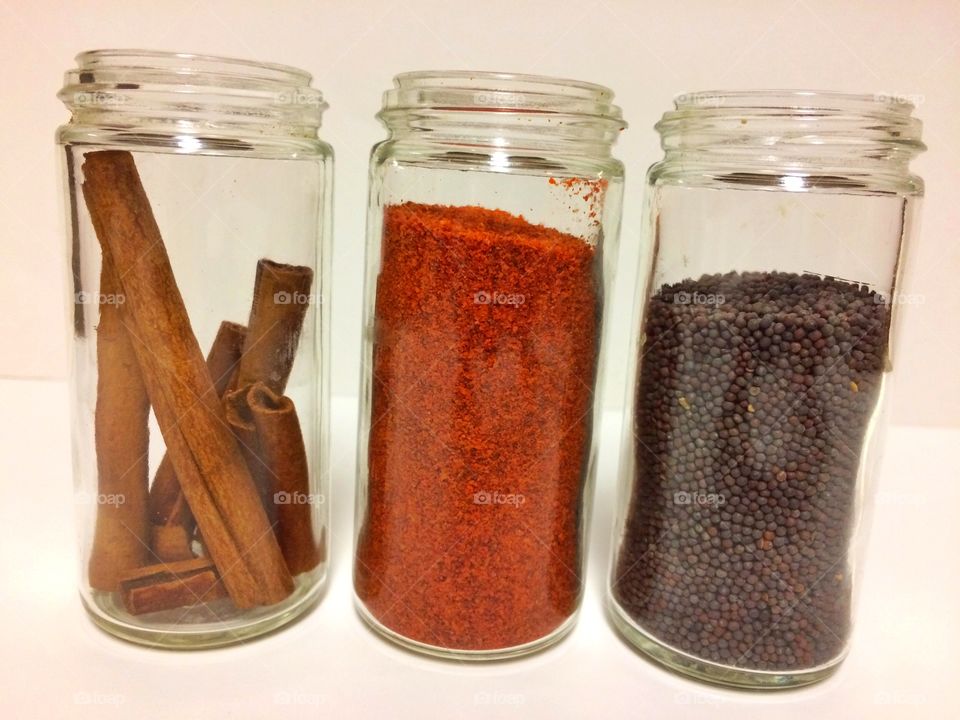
(57, 664)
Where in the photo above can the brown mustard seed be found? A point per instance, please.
(736, 540)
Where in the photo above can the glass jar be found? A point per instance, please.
(778, 221)
(494, 214)
(199, 204)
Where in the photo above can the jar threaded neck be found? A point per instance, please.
(501, 109)
(781, 131)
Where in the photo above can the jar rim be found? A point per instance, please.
(187, 64)
(796, 99)
(482, 78)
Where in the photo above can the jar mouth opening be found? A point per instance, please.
(186, 65)
(797, 100)
(491, 80)
(499, 92)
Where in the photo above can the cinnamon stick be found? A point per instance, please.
(205, 456)
(172, 520)
(171, 585)
(282, 453)
(240, 420)
(121, 437)
(280, 302)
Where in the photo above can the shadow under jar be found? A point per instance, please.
(778, 221)
(198, 197)
(494, 213)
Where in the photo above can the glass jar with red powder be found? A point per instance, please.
(494, 214)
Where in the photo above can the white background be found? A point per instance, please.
(647, 52)
(53, 663)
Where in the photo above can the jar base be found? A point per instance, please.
(242, 626)
(714, 673)
(555, 636)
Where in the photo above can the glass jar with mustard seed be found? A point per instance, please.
(778, 222)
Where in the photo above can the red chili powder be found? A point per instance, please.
(484, 362)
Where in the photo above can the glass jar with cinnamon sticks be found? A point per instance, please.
(778, 221)
(198, 195)
(494, 214)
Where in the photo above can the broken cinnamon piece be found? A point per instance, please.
(205, 456)
(170, 514)
(171, 585)
(121, 437)
(282, 452)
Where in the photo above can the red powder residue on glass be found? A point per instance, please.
(484, 361)
(590, 191)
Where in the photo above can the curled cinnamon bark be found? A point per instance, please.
(284, 458)
(241, 422)
(281, 297)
